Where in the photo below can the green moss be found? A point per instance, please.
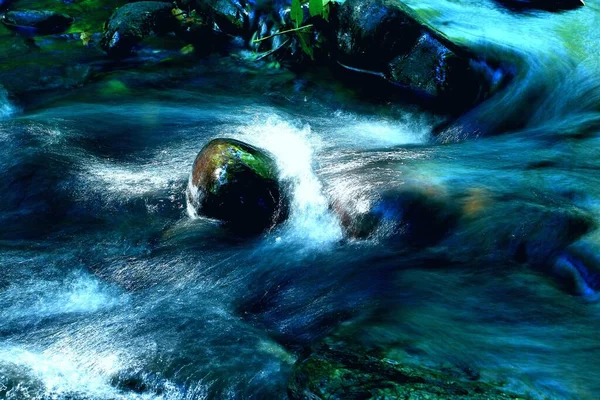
(352, 375)
(113, 87)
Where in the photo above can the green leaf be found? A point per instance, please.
(326, 14)
(326, 8)
(304, 39)
(315, 7)
(296, 13)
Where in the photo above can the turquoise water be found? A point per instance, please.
(109, 289)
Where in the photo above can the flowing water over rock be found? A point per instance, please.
(480, 259)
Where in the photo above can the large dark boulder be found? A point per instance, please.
(370, 33)
(36, 22)
(238, 184)
(432, 69)
(335, 374)
(385, 39)
(134, 22)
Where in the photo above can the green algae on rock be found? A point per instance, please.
(238, 184)
(333, 374)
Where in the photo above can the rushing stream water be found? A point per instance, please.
(110, 290)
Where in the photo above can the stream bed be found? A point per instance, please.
(109, 289)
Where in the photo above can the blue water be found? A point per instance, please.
(111, 289)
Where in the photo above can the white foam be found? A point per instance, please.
(6, 108)
(293, 147)
(367, 132)
(78, 293)
(58, 373)
(63, 371)
(162, 171)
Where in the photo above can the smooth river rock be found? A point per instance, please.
(238, 184)
(36, 22)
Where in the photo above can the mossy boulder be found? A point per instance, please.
(334, 374)
(36, 22)
(238, 184)
(134, 22)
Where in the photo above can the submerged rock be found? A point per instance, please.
(384, 39)
(237, 183)
(413, 216)
(579, 265)
(333, 374)
(133, 22)
(36, 22)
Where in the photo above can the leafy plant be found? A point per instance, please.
(315, 8)
(300, 28)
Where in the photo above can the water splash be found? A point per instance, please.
(6, 108)
(293, 146)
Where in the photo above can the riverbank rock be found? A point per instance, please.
(370, 33)
(231, 16)
(36, 22)
(333, 374)
(385, 39)
(134, 22)
(238, 184)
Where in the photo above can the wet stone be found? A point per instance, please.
(334, 374)
(238, 184)
(134, 22)
(384, 39)
(36, 22)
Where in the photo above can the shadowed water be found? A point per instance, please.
(108, 289)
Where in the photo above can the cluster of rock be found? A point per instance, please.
(360, 40)
(377, 38)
